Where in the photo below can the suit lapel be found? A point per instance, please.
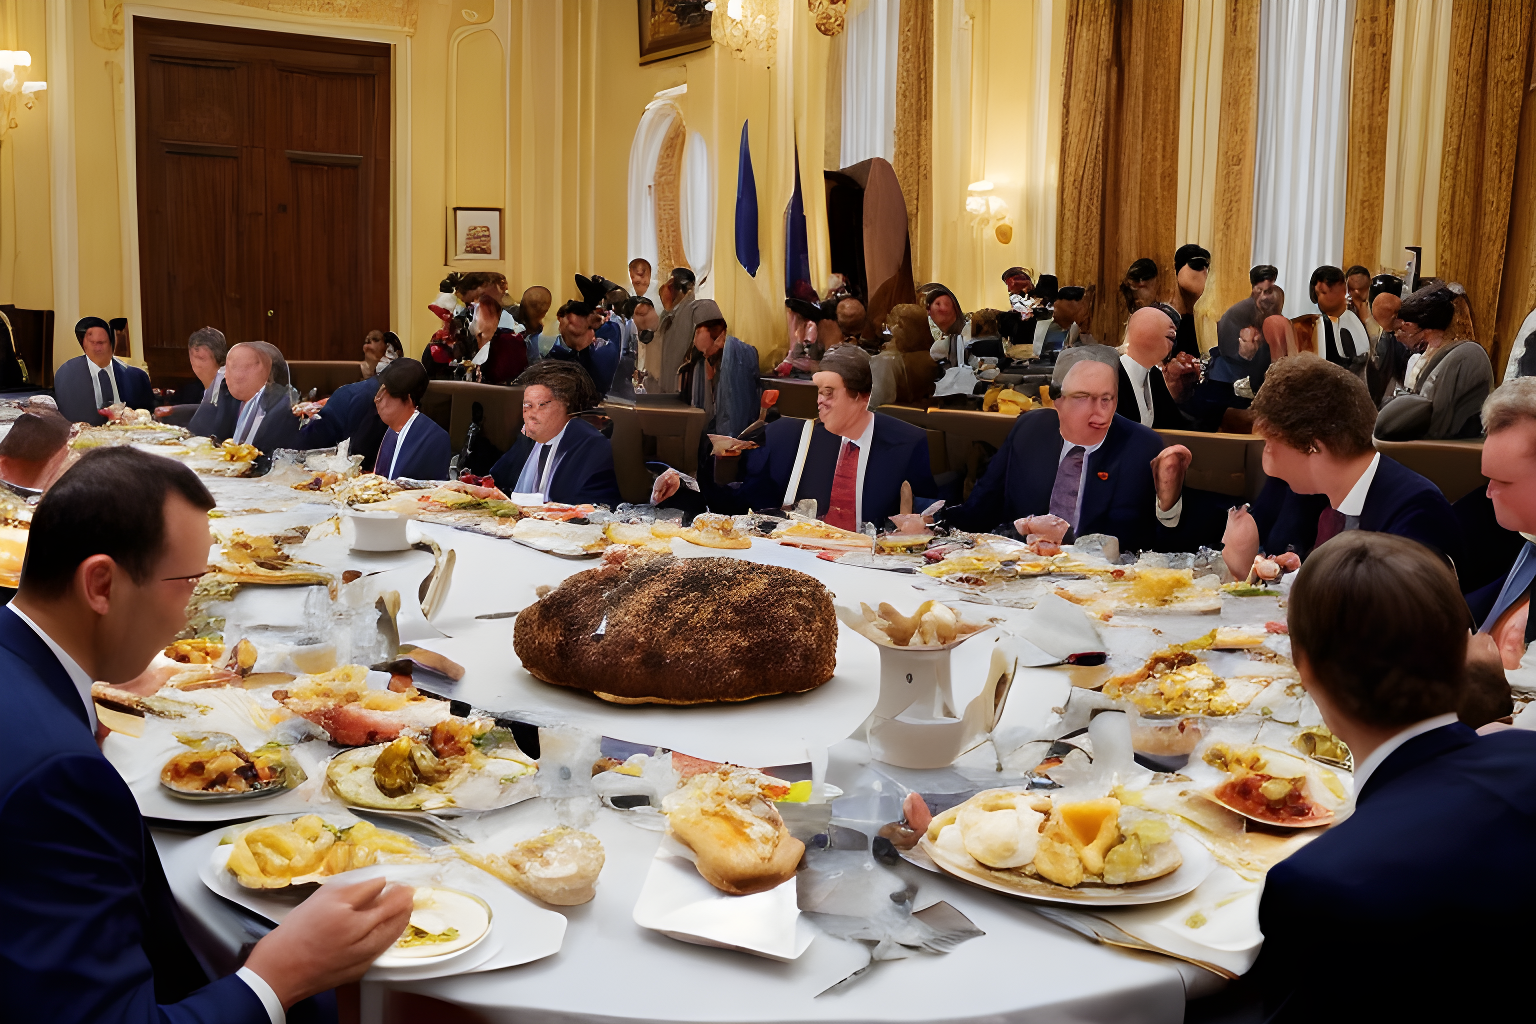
(1381, 498)
(1097, 488)
(19, 639)
(820, 466)
(878, 469)
(1420, 750)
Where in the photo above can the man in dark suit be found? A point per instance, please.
(261, 412)
(95, 380)
(1509, 463)
(348, 415)
(91, 936)
(1326, 476)
(850, 460)
(1378, 633)
(563, 458)
(414, 447)
(1145, 398)
(1081, 461)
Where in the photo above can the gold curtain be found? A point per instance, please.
(1517, 292)
(914, 124)
(1119, 148)
(1370, 79)
(1489, 72)
(1236, 145)
(1421, 53)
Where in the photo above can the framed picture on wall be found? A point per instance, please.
(474, 233)
(672, 27)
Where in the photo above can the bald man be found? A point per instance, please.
(257, 377)
(1101, 472)
(1150, 337)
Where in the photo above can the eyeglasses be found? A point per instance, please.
(184, 579)
(533, 406)
(1101, 401)
(1198, 263)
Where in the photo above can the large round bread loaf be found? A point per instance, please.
(682, 631)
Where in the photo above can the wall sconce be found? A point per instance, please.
(13, 88)
(829, 16)
(738, 24)
(987, 210)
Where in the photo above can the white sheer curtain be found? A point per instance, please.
(1298, 196)
(643, 152)
(697, 212)
(869, 81)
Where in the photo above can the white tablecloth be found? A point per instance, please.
(610, 969)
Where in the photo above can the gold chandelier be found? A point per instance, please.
(739, 24)
(830, 16)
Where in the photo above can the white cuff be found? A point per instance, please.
(1169, 518)
(264, 992)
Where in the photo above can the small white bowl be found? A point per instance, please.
(378, 531)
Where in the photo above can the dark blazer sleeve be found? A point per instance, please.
(988, 504)
(72, 880)
(429, 454)
(510, 466)
(1119, 493)
(586, 474)
(907, 461)
(73, 393)
(133, 387)
(334, 421)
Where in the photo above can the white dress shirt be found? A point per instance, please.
(863, 441)
(1364, 769)
(1169, 517)
(1354, 501)
(1141, 386)
(77, 675)
(102, 398)
(530, 480)
(400, 443)
(249, 420)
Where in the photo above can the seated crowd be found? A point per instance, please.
(1404, 634)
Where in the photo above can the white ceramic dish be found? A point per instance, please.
(378, 531)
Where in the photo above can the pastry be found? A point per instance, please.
(558, 866)
(665, 630)
(728, 820)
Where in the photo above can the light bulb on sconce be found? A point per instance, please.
(13, 88)
(988, 210)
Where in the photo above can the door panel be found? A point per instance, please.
(263, 189)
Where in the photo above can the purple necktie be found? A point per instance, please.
(1069, 478)
(1330, 523)
(381, 465)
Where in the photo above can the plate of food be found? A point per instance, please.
(1177, 681)
(299, 850)
(1146, 590)
(445, 925)
(1093, 852)
(459, 764)
(217, 767)
(1274, 787)
(563, 539)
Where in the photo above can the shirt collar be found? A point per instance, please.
(864, 439)
(1364, 769)
(1088, 449)
(554, 442)
(71, 667)
(1354, 501)
(1135, 370)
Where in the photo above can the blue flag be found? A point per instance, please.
(746, 208)
(797, 256)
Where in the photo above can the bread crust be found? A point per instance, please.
(682, 631)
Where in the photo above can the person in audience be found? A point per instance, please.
(1020, 282)
(257, 376)
(531, 311)
(373, 351)
(502, 351)
(1342, 339)
(947, 324)
(1191, 267)
(722, 377)
(1079, 460)
(828, 334)
(1246, 313)
(205, 354)
(558, 456)
(1139, 286)
(1357, 282)
(95, 379)
(348, 415)
(854, 464)
(413, 447)
(645, 328)
(676, 333)
(1145, 394)
(1509, 463)
(1388, 367)
(1326, 476)
(805, 348)
(35, 450)
(579, 343)
(852, 320)
(1522, 352)
(1448, 384)
(640, 276)
(1378, 634)
(1049, 333)
(91, 930)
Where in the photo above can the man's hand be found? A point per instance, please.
(162, 411)
(1181, 374)
(1240, 544)
(331, 938)
(665, 486)
(1168, 474)
(1248, 342)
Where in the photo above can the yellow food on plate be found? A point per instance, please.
(196, 651)
(406, 774)
(231, 451)
(558, 866)
(710, 530)
(727, 818)
(1017, 837)
(442, 921)
(309, 848)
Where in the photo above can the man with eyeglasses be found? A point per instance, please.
(557, 456)
(90, 932)
(1100, 472)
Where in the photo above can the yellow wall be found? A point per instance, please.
(26, 244)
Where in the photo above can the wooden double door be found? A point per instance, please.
(263, 189)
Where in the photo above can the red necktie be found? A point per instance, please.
(845, 490)
(1329, 525)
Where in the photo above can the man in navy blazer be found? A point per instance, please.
(414, 447)
(90, 934)
(855, 460)
(1409, 891)
(94, 380)
(1326, 476)
(348, 415)
(261, 412)
(1081, 461)
(563, 458)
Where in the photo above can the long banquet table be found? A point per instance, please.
(1024, 968)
